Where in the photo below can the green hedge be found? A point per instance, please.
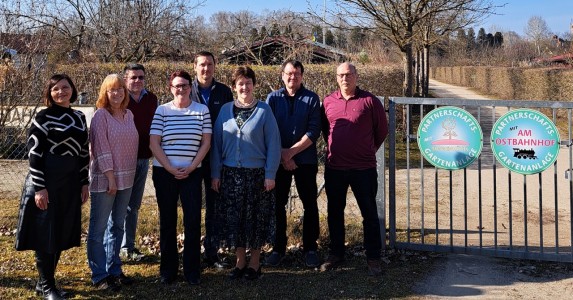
(382, 81)
(511, 83)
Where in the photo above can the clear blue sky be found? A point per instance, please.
(513, 17)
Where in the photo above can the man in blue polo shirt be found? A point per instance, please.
(297, 111)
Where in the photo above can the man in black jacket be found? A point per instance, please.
(208, 91)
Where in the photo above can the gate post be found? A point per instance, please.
(391, 141)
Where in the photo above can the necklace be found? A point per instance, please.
(248, 105)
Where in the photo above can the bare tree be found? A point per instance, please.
(250, 34)
(406, 22)
(22, 71)
(112, 30)
(537, 31)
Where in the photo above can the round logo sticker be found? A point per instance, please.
(450, 138)
(525, 141)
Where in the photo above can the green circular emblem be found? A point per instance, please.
(525, 141)
(450, 138)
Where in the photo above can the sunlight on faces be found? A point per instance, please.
(135, 81)
(244, 88)
(292, 77)
(346, 77)
(61, 93)
(180, 87)
(115, 96)
(204, 69)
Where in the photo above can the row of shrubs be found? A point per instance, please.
(505, 83)
(382, 81)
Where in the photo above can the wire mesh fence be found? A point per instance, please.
(14, 168)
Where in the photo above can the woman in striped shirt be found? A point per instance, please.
(180, 138)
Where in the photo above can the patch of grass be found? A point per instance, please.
(290, 281)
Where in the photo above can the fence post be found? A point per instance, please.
(391, 140)
(381, 194)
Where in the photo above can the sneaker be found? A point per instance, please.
(331, 262)
(133, 254)
(124, 280)
(107, 284)
(215, 262)
(374, 267)
(311, 259)
(274, 259)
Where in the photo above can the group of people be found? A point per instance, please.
(243, 150)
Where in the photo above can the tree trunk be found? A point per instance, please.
(408, 59)
(426, 67)
(419, 71)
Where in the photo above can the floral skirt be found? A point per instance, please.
(244, 212)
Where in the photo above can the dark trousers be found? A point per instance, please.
(305, 181)
(210, 244)
(364, 185)
(46, 264)
(168, 192)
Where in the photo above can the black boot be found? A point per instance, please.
(46, 264)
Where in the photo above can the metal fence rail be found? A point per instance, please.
(484, 208)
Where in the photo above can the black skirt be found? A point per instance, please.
(245, 212)
(58, 227)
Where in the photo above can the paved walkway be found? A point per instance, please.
(457, 276)
(444, 90)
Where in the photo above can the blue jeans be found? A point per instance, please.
(169, 191)
(134, 204)
(107, 216)
(364, 185)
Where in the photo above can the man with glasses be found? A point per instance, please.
(297, 111)
(142, 104)
(206, 90)
(354, 126)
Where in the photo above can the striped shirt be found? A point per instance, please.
(181, 131)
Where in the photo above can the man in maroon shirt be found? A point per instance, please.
(355, 126)
(142, 104)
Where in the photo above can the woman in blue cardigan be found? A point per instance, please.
(244, 161)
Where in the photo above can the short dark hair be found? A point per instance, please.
(47, 95)
(244, 71)
(203, 53)
(133, 67)
(295, 63)
(179, 73)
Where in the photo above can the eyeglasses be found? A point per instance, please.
(294, 74)
(345, 75)
(140, 77)
(116, 91)
(181, 86)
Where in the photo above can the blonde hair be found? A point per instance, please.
(112, 81)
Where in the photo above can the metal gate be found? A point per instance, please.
(483, 209)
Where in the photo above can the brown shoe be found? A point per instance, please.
(331, 262)
(374, 268)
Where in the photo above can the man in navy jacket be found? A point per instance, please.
(297, 111)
